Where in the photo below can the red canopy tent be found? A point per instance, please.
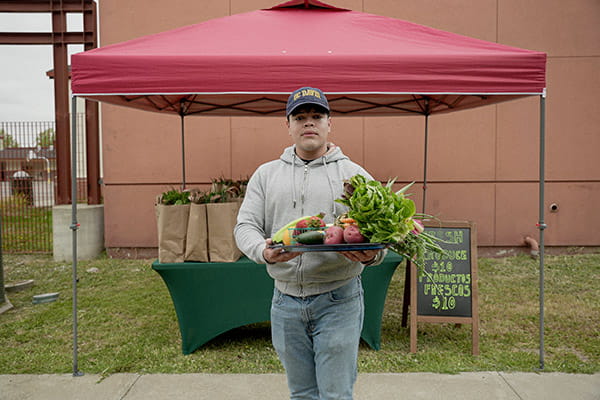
(247, 64)
(368, 65)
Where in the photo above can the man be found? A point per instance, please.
(317, 308)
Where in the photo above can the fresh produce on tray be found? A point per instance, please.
(311, 230)
(376, 215)
(298, 226)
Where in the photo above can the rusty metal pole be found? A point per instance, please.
(92, 135)
(61, 112)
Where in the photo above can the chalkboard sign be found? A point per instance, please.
(447, 291)
(445, 288)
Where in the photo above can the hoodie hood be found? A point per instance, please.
(334, 153)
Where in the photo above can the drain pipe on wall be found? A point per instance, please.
(534, 251)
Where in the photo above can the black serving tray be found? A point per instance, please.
(330, 247)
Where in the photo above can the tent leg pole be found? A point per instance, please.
(425, 162)
(541, 223)
(74, 226)
(182, 153)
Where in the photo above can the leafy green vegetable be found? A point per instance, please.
(385, 216)
(198, 196)
(224, 190)
(175, 197)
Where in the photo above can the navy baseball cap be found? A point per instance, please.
(306, 95)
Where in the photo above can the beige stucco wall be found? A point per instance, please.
(483, 163)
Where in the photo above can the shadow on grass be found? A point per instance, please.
(252, 334)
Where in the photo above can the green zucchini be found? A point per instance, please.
(311, 237)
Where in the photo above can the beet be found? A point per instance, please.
(334, 235)
(352, 235)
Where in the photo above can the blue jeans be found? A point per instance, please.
(316, 339)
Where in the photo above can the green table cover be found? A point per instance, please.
(212, 298)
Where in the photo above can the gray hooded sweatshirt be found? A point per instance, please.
(282, 190)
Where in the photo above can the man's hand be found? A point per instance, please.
(273, 256)
(363, 256)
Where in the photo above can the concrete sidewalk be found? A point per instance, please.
(426, 386)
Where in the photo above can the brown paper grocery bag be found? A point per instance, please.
(196, 245)
(221, 221)
(172, 223)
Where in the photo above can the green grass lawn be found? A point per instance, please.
(27, 229)
(127, 323)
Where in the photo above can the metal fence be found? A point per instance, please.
(28, 183)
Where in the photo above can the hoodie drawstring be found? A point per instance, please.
(293, 165)
(330, 187)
